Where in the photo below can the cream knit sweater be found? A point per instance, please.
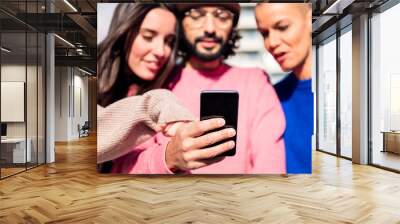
(132, 120)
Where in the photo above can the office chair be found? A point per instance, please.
(84, 130)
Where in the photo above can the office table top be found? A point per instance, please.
(12, 140)
(391, 132)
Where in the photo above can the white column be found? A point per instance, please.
(50, 99)
(360, 90)
(50, 92)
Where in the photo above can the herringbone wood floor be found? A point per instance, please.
(71, 191)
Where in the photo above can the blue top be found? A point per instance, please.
(297, 102)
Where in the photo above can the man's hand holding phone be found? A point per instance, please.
(190, 147)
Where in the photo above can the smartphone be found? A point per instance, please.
(221, 104)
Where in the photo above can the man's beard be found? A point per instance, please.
(192, 50)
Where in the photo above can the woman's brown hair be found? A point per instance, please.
(114, 49)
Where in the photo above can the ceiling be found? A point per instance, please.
(72, 20)
(76, 22)
(331, 15)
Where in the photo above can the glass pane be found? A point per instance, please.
(13, 87)
(41, 98)
(31, 100)
(385, 89)
(346, 94)
(327, 96)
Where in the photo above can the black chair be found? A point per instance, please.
(84, 130)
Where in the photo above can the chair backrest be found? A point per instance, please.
(86, 125)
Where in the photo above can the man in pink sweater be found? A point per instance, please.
(209, 34)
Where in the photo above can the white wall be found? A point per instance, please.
(80, 102)
(12, 73)
(70, 83)
(33, 126)
(61, 103)
(16, 73)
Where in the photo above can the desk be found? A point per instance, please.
(13, 150)
(391, 141)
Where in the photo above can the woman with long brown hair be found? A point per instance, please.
(134, 59)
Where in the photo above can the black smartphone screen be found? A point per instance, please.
(224, 104)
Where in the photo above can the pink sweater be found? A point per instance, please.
(261, 123)
(132, 120)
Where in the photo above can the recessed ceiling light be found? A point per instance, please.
(70, 5)
(5, 50)
(64, 40)
(337, 7)
(84, 71)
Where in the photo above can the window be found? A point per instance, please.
(327, 95)
(346, 92)
(385, 89)
(22, 65)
